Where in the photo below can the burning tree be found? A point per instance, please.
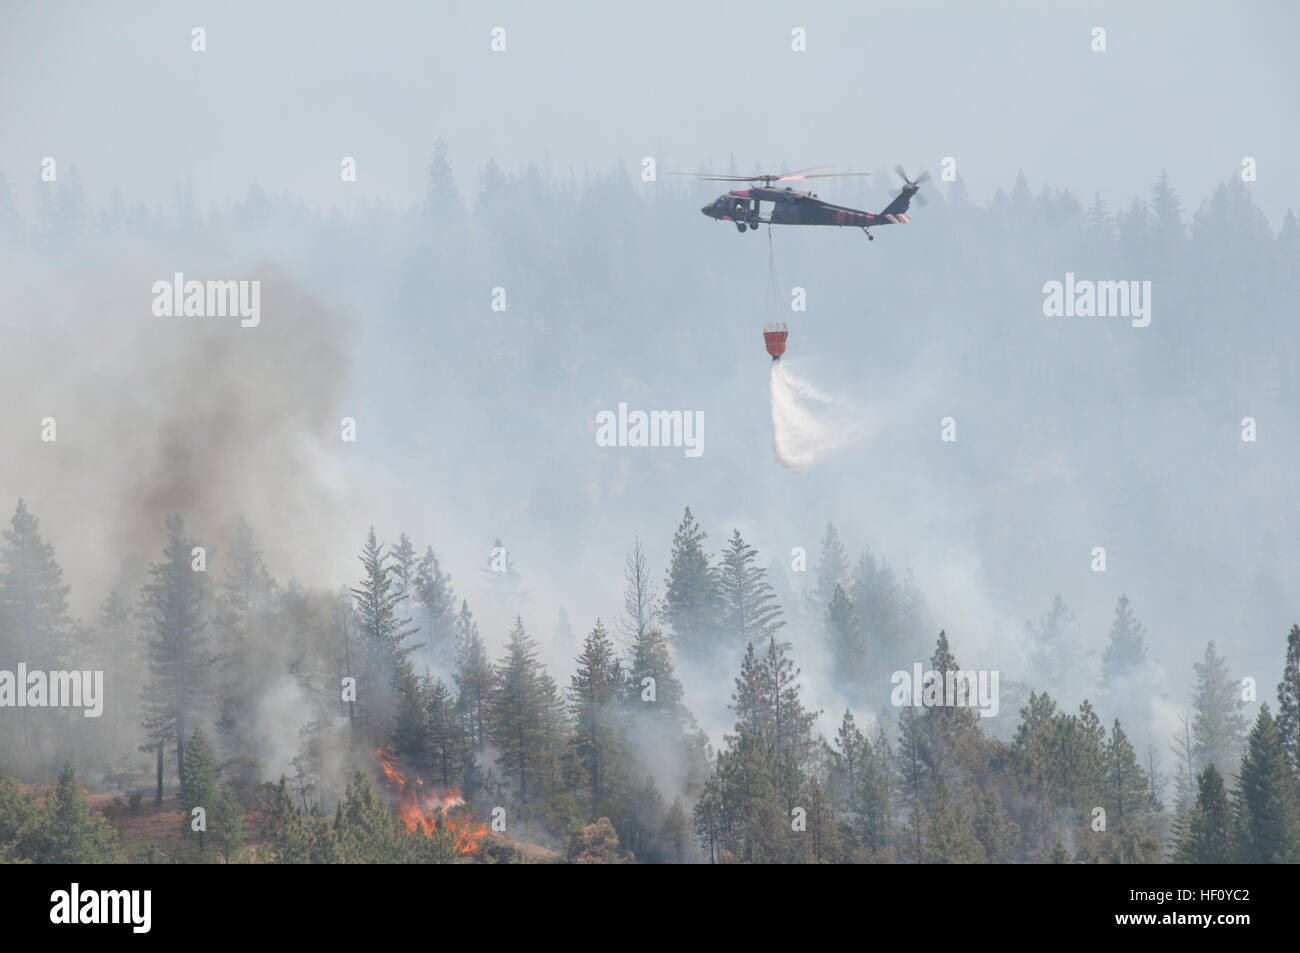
(443, 825)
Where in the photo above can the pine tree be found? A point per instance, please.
(378, 602)
(33, 598)
(761, 776)
(66, 831)
(1101, 227)
(20, 827)
(914, 767)
(712, 826)
(846, 640)
(366, 829)
(852, 752)
(1218, 725)
(198, 785)
(118, 651)
(832, 569)
(662, 723)
(819, 842)
(405, 566)
(34, 624)
(1054, 651)
(69, 211)
(1169, 233)
(749, 609)
(883, 612)
(1134, 228)
(594, 694)
(445, 747)
(473, 680)
(505, 586)
(1267, 799)
(176, 607)
(752, 808)
(521, 717)
(385, 633)
(245, 583)
(1288, 701)
(675, 833)
(767, 702)
(1156, 821)
(1127, 798)
(640, 822)
(876, 801)
(247, 590)
(953, 739)
(651, 658)
(691, 598)
(442, 200)
(437, 599)
(227, 816)
(996, 831)
(281, 821)
(1126, 651)
(767, 705)
(1058, 763)
(640, 595)
(949, 836)
(1207, 837)
(1184, 750)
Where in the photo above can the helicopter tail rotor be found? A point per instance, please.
(912, 186)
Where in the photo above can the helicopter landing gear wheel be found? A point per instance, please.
(870, 237)
(741, 226)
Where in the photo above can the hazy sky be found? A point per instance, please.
(286, 89)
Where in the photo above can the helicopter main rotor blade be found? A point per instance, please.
(831, 175)
(777, 177)
(710, 177)
(785, 175)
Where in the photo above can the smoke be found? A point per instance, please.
(158, 415)
(807, 424)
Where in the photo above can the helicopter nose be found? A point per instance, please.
(705, 209)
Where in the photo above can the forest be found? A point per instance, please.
(504, 762)
(609, 689)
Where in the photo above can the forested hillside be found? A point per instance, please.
(668, 659)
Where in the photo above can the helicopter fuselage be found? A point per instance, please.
(789, 207)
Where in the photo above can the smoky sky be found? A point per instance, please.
(285, 90)
(222, 421)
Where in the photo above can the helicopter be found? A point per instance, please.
(789, 207)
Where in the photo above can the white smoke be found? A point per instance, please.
(807, 424)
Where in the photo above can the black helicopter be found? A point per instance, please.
(744, 206)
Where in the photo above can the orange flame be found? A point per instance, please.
(425, 812)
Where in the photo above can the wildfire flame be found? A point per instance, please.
(423, 811)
